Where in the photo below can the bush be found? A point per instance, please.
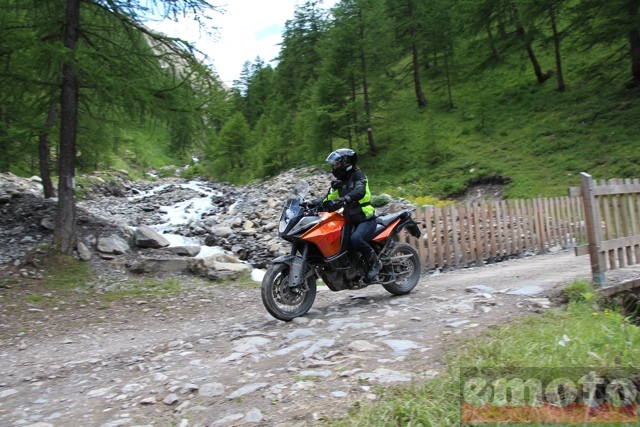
(380, 200)
(167, 171)
(193, 171)
(580, 291)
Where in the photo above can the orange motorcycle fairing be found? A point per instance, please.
(387, 232)
(327, 234)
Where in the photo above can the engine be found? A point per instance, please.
(344, 272)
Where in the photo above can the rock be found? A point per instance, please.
(147, 237)
(383, 375)
(221, 231)
(7, 392)
(48, 223)
(84, 253)
(324, 342)
(526, 291)
(457, 323)
(362, 345)
(462, 307)
(211, 390)
(188, 251)
(317, 374)
(400, 346)
(113, 244)
(148, 401)
(253, 416)
(479, 289)
(157, 265)
(171, 399)
(219, 265)
(246, 390)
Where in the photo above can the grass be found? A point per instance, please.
(144, 288)
(64, 272)
(506, 125)
(243, 280)
(66, 279)
(584, 334)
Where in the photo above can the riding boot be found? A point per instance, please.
(374, 266)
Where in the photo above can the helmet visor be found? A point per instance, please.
(334, 157)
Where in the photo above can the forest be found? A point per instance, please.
(434, 95)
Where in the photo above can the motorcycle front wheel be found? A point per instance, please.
(280, 300)
(403, 267)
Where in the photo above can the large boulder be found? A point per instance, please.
(113, 244)
(221, 231)
(219, 266)
(160, 265)
(188, 251)
(147, 237)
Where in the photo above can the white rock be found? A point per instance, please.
(253, 416)
(246, 390)
(362, 345)
(211, 389)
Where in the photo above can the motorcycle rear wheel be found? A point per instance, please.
(404, 267)
(281, 301)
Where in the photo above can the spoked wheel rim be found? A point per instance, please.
(402, 267)
(282, 301)
(286, 296)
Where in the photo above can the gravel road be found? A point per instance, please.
(213, 356)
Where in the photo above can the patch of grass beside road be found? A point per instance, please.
(587, 333)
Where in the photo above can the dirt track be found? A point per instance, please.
(213, 356)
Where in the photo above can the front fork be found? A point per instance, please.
(297, 272)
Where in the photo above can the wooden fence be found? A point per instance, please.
(472, 234)
(612, 217)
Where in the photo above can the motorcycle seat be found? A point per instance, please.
(387, 219)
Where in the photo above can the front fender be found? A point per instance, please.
(296, 268)
(285, 259)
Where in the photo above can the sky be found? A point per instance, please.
(247, 29)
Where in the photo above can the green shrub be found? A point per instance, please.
(580, 291)
(166, 171)
(380, 200)
(193, 172)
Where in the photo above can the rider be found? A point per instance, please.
(350, 190)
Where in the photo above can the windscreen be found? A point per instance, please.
(292, 206)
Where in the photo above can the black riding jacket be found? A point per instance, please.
(355, 188)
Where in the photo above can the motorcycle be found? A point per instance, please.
(320, 249)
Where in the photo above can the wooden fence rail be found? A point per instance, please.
(612, 217)
(472, 234)
(601, 219)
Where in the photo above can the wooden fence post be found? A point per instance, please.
(594, 229)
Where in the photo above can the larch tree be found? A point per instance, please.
(131, 14)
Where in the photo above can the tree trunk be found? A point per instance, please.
(422, 100)
(492, 43)
(634, 42)
(446, 67)
(556, 42)
(65, 231)
(532, 56)
(367, 106)
(365, 91)
(353, 129)
(44, 154)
